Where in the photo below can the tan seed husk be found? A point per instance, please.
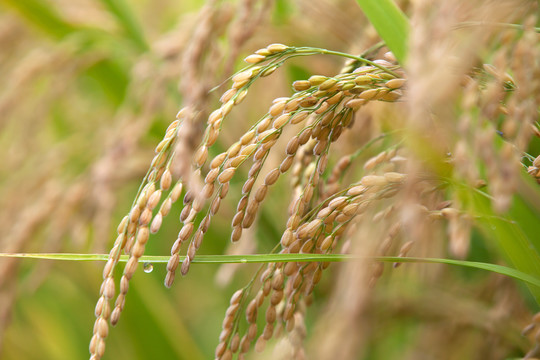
(287, 238)
(143, 234)
(308, 101)
(276, 48)
(240, 84)
(261, 193)
(166, 180)
(394, 177)
(211, 176)
(235, 343)
(335, 98)
(225, 334)
(237, 161)
(248, 185)
(391, 96)
(312, 227)
(249, 218)
(293, 104)
(268, 331)
(355, 104)
(247, 137)
(254, 169)
(371, 163)
(272, 177)
(220, 349)
(146, 217)
(236, 233)
(350, 209)
(207, 191)
(218, 160)
(405, 248)
(301, 85)
(277, 108)
(320, 147)
(226, 175)
(138, 249)
(270, 314)
(374, 180)
(215, 116)
(200, 156)
(234, 149)
(286, 164)
(244, 75)
(299, 117)
(327, 84)
(108, 288)
(153, 200)
(254, 59)
(263, 52)
(259, 155)
(322, 108)
(156, 223)
(185, 232)
(269, 71)
(327, 243)
(260, 344)
(267, 135)
(276, 296)
(337, 202)
(228, 95)
(163, 143)
(292, 145)
(395, 83)
(345, 86)
(317, 79)
(356, 190)
(281, 120)
(369, 94)
(123, 225)
(134, 214)
(290, 268)
(306, 247)
(248, 150)
(238, 218)
(363, 80)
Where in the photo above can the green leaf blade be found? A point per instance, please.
(391, 25)
(125, 17)
(268, 258)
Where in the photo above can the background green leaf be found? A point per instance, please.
(391, 24)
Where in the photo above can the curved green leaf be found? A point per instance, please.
(267, 258)
(391, 24)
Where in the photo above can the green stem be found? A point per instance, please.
(311, 51)
(466, 24)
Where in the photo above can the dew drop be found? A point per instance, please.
(243, 261)
(148, 267)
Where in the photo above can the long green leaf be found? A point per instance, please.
(391, 24)
(266, 258)
(42, 16)
(123, 14)
(508, 235)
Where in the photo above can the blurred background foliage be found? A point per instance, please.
(88, 88)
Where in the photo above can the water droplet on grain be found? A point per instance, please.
(243, 261)
(148, 267)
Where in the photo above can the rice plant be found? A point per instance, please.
(416, 144)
